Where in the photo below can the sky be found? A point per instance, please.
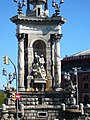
(76, 31)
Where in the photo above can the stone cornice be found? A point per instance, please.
(74, 58)
(27, 19)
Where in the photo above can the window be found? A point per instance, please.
(85, 86)
(85, 77)
(86, 99)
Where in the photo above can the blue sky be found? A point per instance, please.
(76, 31)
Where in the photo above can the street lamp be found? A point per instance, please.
(75, 72)
(67, 79)
(4, 72)
(9, 77)
(57, 6)
(14, 77)
(20, 5)
(67, 76)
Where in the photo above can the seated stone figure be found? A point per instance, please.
(71, 100)
(38, 73)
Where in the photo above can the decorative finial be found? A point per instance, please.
(38, 10)
(57, 7)
(20, 5)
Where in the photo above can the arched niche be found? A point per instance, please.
(39, 46)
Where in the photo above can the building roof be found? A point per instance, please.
(86, 52)
(78, 56)
(81, 59)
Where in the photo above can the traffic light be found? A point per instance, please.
(5, 60)
(13, 96)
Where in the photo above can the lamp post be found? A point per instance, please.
(16, 87)
(67, 76)
(67, 80)
(75, 72)
(9, 77)
(67, 87)
(14, 77)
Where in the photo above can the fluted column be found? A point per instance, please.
(58, 60)
(21, 37)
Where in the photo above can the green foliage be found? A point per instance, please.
(1, 98)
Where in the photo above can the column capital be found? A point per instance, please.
(20, 36)
(58, 37)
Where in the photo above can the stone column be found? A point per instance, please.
(48, 69)
(58, 61)
(30, 61)
(21, 37)
(52, 60)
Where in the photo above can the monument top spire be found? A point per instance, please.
(38, 8)
(37, 2)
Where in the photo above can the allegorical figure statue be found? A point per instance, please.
(38, 67)
(36, 58)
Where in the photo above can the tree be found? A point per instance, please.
(1, 98)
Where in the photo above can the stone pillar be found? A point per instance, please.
(58, 61)
(21, 37)
(22, 109)
(81, 108)
(48, 69)
(63, 107)
(4, 107)
(52, 60)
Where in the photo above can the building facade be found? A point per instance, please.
(80, 60)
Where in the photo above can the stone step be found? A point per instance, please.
(41, 105)
(39, 98)
(41, 114)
